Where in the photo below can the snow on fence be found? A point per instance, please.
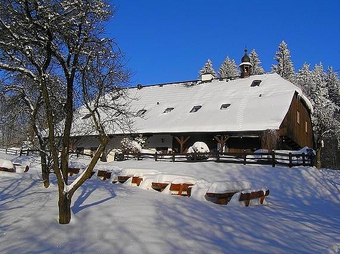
(272, 158)
(12, 151)
(288, 158)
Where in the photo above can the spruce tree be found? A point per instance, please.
(207, 69)
(324, 117)
(303, 78)
(284, 65)
(333, 86)
(228, 68)
(255, 62)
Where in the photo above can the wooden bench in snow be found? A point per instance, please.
(72, 171)
(246, 196)
(18, 165)
(181, 189)
(179, 185)
(136, 174)
(222, 192)
(104, 174)
(6, 165)
(123, 179)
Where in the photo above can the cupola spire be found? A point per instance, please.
(245, 65)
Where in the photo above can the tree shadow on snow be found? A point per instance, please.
(88, 188)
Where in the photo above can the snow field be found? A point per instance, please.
(300, 216)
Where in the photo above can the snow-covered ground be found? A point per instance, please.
(301, 214)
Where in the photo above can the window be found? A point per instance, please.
(298, 117)
(306, 127)
(195, 109)
(141, 112)
(167, 110)
(225, 106)
(256, 83)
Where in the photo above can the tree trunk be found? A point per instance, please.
(64, 208)
(103, 158)
(45, 171)
(318, 157)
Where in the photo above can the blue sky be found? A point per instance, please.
(170, 40)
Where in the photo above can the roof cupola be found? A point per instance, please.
(245, 65)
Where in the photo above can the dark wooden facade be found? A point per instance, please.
(296, 128)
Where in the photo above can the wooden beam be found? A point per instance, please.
(222, 140)
(181, 140)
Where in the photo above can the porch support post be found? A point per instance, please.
(222, 140)
(181, 140)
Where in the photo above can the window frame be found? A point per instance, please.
(168, 110)
(195, 108)
(225, 106)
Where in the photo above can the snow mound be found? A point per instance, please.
(138, 172)
(6, 164)
(223, 187)
(199, 147)
(163, 178)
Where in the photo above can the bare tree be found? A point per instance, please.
(58, 38)
(24, 98)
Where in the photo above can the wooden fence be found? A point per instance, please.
(271, 158)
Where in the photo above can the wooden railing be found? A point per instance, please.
(271, 158)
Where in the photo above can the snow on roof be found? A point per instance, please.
(197, 106)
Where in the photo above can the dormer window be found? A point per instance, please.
(141, 112)
(256, 83)
(167, 110)
(195, 109)
(225, 105)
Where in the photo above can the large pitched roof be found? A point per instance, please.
(252, 107)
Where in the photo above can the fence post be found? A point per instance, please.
(273, 158)
(290, 160)
(20, 152)
(303, 159)
(173, 156)
(155, 156)
(217, 156)
(244, 157)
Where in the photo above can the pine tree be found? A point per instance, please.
(207, 69)
(333, 86)
(325, 124)
(228, 68)
(255, 62)
(284, 65)
(303, 78)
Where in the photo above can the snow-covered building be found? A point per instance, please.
(226, 114)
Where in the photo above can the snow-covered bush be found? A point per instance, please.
(198, 150)
(129, 145)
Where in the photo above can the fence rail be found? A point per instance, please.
(271, 158)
